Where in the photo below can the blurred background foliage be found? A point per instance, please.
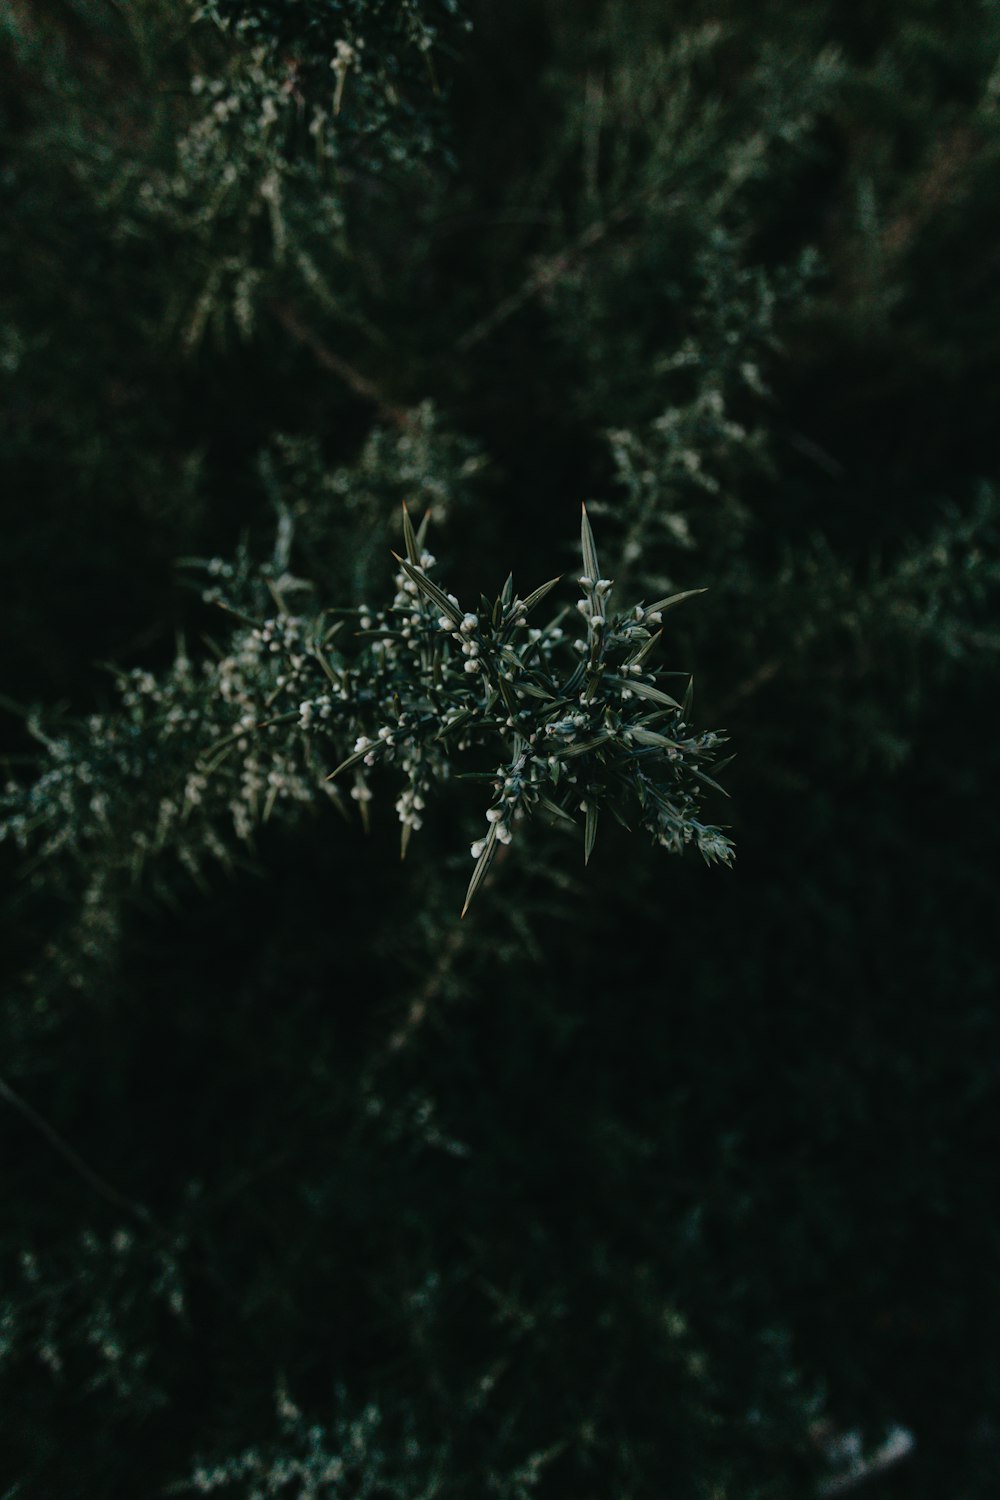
(648, 1179)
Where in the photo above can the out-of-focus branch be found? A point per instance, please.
(294, 324)
(750, 685)
(545, 274)
(451, 949)
(55, 1140)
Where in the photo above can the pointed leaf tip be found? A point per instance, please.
(410, 537)
(482, 866)
(537, 595)
(589, 832)
(590, 566)
(424, 584)
(672, 600)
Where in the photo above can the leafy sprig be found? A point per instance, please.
(565, 726)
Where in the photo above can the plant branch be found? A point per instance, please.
(544, 275)
(433, 985)
(55, 1140)
(294, 324)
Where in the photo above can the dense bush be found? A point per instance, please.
(644, 1179)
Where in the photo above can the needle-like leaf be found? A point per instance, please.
(590, 565)
(482, 866)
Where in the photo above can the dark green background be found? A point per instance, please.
(686, 1160)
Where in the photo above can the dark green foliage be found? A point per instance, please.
(645, 1180)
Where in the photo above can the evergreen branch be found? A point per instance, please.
(420, 685)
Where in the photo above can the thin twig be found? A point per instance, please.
(750, 685)
(55, 1140)
(417, 1013)
(544, 275)
(935, 189)
(293, 323)
(433, 985)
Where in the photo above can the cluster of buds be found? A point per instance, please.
(422, 682)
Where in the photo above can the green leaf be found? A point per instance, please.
(571, 750)
(590, 564)
(708, 780)
(572, 685)
(644, 650)
(612, 809)
(455, 723)
(208, 763)
(671, 601)
(643, 690)
(482, 866)
(534, 692)
(363, 809)
(409, 536)
(556, 810)
(238, 614)
(648, 737)
(507, 694)
(327, 669)
(432, 591)
(239, 734)
(589, 832)
(537, 595)
(352, 760)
